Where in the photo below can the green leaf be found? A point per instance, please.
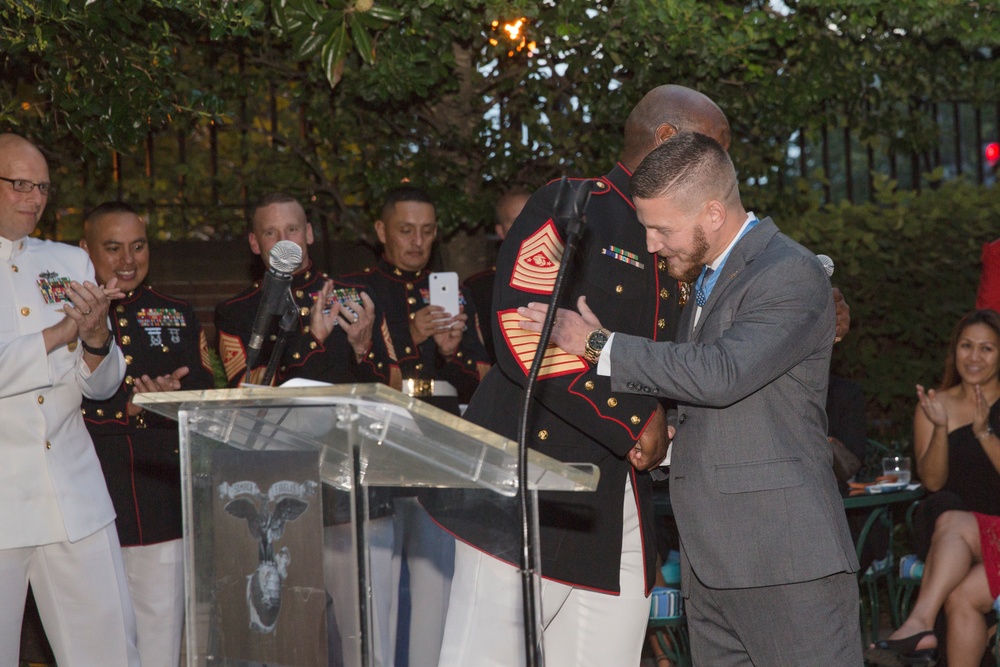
(362, 42)
(280, 19)
(308, 47)
(384, 13)
(311, 8)
(333, 52)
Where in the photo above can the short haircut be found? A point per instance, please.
(687, 163)
(404, 193)
(267, 200)
(106, 208)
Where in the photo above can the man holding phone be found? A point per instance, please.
(441, 354)
(442, 358)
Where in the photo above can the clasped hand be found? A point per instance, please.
(570, 329)
(356, 319)
(86, 315)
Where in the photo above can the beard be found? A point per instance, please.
(689, 271)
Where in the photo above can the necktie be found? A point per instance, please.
(700, 295)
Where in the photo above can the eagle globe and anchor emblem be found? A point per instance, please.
(266, 515)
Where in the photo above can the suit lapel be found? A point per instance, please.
(744, 252)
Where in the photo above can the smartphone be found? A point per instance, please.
(444, 291)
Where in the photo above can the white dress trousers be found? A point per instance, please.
(581, 628)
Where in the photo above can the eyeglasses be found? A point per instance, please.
(21, 185)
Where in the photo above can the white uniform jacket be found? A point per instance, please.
(51, 485)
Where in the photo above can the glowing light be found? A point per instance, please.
(514, 29)
(992, 152)
(513, 32)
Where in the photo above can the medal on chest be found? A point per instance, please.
(53, 287)
(155, 320)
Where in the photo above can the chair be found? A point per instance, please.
(868, 580)
(910, 576)
(672, 637)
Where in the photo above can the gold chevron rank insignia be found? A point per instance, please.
(523, 345)
(538, 261)
(234, 359)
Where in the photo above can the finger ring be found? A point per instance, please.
(89, 311)
(355, 318)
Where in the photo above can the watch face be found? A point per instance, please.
(597, 340)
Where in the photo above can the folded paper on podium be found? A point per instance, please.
(306, 541)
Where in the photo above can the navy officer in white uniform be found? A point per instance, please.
(56, 519)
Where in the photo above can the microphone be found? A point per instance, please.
(571, 203)
(827, 264)
(275, 293)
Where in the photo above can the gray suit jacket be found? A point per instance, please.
(751, 475)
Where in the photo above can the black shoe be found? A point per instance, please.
(902, 652)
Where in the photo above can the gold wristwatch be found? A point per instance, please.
(596, 340)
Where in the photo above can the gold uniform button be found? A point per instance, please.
(661, 264)
(303, 311)
(661, 323)
(165, 349)
(664, 293)
(409, 286)
(612, 402)
(41, 399)
(371, 355)
(397, 272)
(99, 412)
(458, 354)
(305, 329)
(118, 415)
(312, 345)
(411, 300)
(419, 367)
(120, 309)
(26, 311)
(274, 337)
(13, 267)
(299, 294)
(407, 349)
(128, 359)
(589, 385)
(126, 340)
(122, 322)
(296, 356)
(413, 316)
(308, 275)
(71, 346)
(48, 445)
(129, 380)
(380, 364)
(635, 419)
(83, 411)
(619, 289)
(543, 435)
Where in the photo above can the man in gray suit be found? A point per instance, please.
(767, 559)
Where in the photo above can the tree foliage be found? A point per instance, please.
(367, 93)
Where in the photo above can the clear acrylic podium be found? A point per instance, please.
(290, 499)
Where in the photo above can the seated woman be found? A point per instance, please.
(962, 573)
(957, 452)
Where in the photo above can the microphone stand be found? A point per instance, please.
(288, 323)
(571, 202)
